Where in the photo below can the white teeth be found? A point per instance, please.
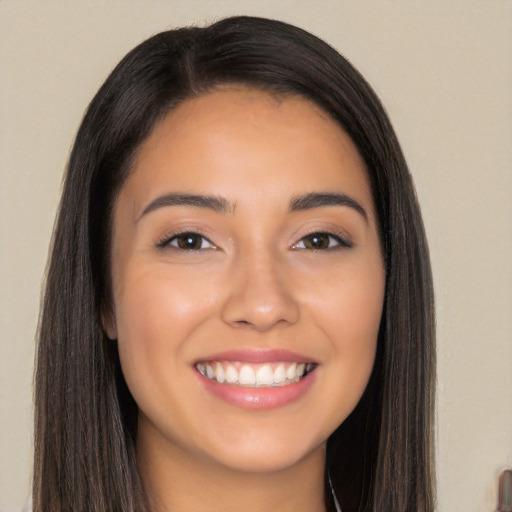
(249, 375)
(265, 376)
(231, 374)
(220, 375)
(280, 374)
(290, 373)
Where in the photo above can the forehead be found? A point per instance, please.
(239, 137)
(259, 109)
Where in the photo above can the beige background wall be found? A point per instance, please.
(444, 71)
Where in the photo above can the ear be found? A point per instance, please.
(108, 322)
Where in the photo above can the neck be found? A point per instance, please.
(178, 482)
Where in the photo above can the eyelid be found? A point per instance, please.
(341, 239)
(165, 241)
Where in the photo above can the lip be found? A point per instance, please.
(258, 356)
(264, 398)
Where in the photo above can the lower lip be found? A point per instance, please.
(259, 398)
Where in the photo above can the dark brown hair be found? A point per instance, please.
(380, 458)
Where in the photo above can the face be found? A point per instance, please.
(247, 280)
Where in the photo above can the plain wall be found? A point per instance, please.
(444, 72)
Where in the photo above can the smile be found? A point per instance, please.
(248, 375)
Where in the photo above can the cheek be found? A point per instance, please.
(158, 298)
(350, 314)
(157, 311)
(358, 322)
(350, 307)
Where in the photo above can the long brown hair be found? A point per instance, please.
(380, 458)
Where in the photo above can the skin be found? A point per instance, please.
(252, 282)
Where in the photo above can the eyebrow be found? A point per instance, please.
(319, 200)
(217, 204)
(221, 205)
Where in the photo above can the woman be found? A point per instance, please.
(238, 308)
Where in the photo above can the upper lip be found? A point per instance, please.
(258, 356)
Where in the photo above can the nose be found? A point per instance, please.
(260, 296)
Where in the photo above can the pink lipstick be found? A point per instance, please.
(256, 379)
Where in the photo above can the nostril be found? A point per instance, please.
(259, 302)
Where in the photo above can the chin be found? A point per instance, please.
(272, 454)
(264, 462)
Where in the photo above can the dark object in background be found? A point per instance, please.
(505, 491)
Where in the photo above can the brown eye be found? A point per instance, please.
(317, 241)
(189, 242)
(321, 241)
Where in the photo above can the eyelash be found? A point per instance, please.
(167, 241)
(339, 240)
